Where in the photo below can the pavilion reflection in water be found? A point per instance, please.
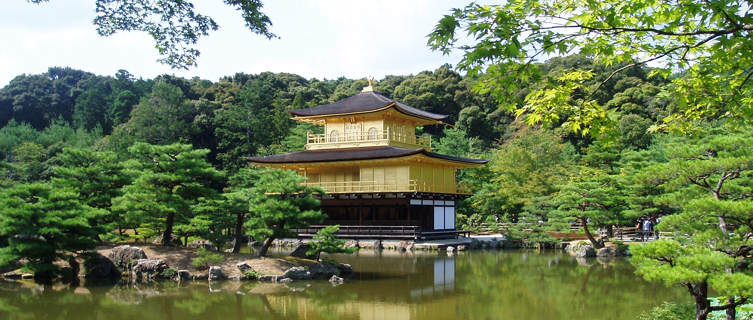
(428, 289)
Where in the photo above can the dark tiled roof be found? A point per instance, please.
(346, 154)
(364, 102)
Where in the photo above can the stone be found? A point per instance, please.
(215, 273)
(345, 269)
(300, 251)
(243, 267)
(450, 249)
(462, 247)
(200, 276)
(285, 280)
(184, 275)
(97, 266)
(268, 278)
(352, 244)
(27, 276)
(336, 280)
(323, 270)
(125, 256)
(585, 251)
(605, 252)
(12, 275)
(148, 269)
(174, 241)
(205, 244)
(475, 243)
(297, 273)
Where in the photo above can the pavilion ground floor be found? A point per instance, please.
(390, 216)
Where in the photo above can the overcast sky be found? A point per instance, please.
(318, 39)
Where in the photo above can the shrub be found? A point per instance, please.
(670, 311)
(205, 258)
(169, 273)
(251, 274)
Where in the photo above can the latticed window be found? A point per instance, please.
(334, 136)
(373, 133)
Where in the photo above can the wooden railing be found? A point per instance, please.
(386, 232)
(384, 136)
(397, 186)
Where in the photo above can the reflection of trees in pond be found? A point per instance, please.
(504, 281)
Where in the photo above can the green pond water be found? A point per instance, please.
(387, 285)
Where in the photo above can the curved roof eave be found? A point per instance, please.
(362, 103)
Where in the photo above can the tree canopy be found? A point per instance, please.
(706, 43)
(175, 26)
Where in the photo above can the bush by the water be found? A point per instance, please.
(205, 258)
(670, 311)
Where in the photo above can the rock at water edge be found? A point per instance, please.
(215, 273)
(125, 256)
(300, 251)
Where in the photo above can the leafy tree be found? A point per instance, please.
(325, 240)
(164, 117)
(168, 180)
(241, 129)
(280, 203)
(591, 197)
(96, 176)
(533, 164)
(705, 40)
(174, 25)
(44, 223)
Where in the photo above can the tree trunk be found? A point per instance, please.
(168, 234)
(731, 311)
(596, 244)
(265, 246)
(238, 232)
(702, 304)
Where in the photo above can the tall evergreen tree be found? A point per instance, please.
(280, 203)
(168, 180)
(43, 224)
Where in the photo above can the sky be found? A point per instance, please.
(318, 39)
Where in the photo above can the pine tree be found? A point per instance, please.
(709, 178)
(280, 203)
(168, 180)
(43, 224)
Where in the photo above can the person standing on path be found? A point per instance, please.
(646, 230)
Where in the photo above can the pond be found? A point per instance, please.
(388, 285)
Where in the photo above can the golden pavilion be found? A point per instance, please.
(381, 180)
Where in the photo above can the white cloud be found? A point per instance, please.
(322, 39)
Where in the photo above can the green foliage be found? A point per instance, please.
(97, 177)
(174, 25)
(43, 224)
(168, 180)
(592, 197)
(205, 259)
(280, 203)
(164, 117)
(703, 40)
(708, 179)
(670, 311)
(252, 275)
(326, 241)
(169, 273)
